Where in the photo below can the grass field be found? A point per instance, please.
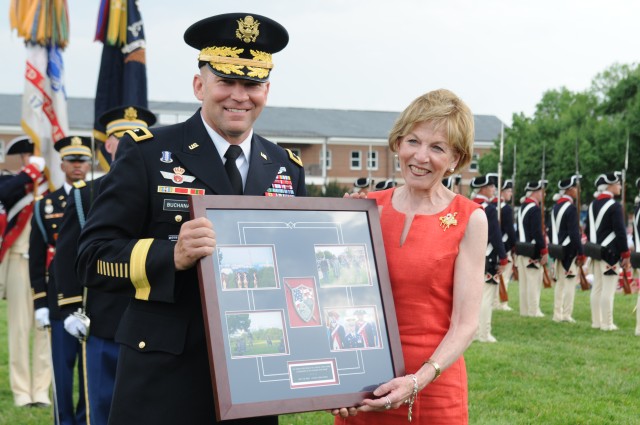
(540, 372)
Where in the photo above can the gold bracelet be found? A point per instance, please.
(414, 393)
(436, 366)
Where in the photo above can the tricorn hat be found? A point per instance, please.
(21, 144)
(535, 185)
(363, 182)
(609, 178)
(570, 182)
(507, 184)
(237, 45)
(385, 184)
(486, 180)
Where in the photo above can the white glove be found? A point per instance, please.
(75, 327)
(38, 161)
(42, 318)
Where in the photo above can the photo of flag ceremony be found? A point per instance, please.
(319, 212)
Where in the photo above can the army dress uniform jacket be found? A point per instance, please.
(104, 310)
(568, 227)
(127, 247)
(612, 224)
(45, 227)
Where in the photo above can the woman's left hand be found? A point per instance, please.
(391, 395)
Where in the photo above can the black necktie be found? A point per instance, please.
(235, 178)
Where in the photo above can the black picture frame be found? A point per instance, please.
(324, 334)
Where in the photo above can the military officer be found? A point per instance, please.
(452, 183)
(607, 247)
(496, 256)
(508, 238)
(566, 248)
(103, 309)
(29, 380)
(75, 155)
(531, 249)
(139, 241)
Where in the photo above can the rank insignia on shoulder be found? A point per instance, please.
(294, 158)
(140, 134)
(79, 184)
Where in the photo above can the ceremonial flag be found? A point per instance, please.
(123, 74)
(44, 25)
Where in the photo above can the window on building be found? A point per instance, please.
(474, 162)
(356, 160)
(328, 158)
(372, 160)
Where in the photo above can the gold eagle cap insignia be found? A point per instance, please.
(448, 220)
(130, 113)
(76, 141)
(248, 29)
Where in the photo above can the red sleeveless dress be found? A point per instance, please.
(421, 272)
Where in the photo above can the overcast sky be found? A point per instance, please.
(499, 56)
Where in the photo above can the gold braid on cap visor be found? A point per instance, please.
(227, 61)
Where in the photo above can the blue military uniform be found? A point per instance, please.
(495, 256)
(605, 229)
(565, 237)
(66, 351)
(530, 248)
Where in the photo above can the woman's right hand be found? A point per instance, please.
(344, 412)
(359, 195)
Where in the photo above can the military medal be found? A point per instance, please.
(48, 208)
(166, 157)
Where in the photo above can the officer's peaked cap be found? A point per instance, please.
(237, 45)
(128, 117)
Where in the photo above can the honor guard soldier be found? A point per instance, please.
(496, 256)
(508, 238)
(104, 310)
(66, 355)
(635, 256)
(362, 185)
(566, 248)
(607, 246)
(138, 240)
(531, 250)
(29, 380)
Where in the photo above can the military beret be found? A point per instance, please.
(237, 45)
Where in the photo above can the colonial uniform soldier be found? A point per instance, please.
(508, 238)
(566, 249)
(635, 256)
(75, 153)
(531, 250)
(29, 380)
(138, 240)
(607, 247)
(496, 256)
(452, 183)
(104, 310)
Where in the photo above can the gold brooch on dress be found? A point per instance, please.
(448, 220)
